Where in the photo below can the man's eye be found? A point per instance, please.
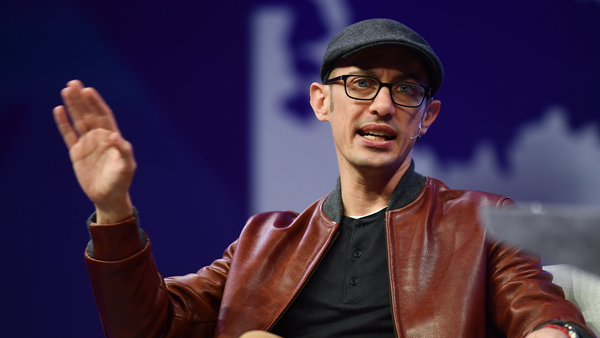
(362, 83)
(405, 89)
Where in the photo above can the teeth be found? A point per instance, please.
(376, 135)
(376, 138)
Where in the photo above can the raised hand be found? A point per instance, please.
(102, 159)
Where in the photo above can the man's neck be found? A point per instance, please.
(366, 190)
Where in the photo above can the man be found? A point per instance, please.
(388, 252)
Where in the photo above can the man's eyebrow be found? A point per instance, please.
(366, 72)
(397, 78)
(408, 76)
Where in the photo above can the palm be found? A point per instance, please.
(100, 169)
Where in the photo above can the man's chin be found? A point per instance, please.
(378, 163)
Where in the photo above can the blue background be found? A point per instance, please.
(177, 76)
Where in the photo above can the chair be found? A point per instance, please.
(582, 289)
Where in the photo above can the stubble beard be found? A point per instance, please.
(331, 106)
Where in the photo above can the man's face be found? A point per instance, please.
(374, 134)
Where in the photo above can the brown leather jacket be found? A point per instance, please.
(447, 279)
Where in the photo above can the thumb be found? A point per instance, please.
(124, 147)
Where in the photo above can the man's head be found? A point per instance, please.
(377, 132)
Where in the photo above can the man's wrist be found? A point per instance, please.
(579, 331)
(564, 329)
(112, 217)
(115, 214)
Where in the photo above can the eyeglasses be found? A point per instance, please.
(360, 87)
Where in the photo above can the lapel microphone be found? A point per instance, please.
(419, 132)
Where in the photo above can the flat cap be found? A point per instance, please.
(374, 32)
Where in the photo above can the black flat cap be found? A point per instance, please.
(374, 32)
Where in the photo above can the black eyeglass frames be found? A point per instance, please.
(361, 87)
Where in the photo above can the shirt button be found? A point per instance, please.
(353, 280)
(359, 225)
(357, 253)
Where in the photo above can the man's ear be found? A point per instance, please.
(430, 114)
(319, 100)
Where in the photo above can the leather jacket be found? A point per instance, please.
(447, 279)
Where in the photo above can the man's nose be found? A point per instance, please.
(382, 104)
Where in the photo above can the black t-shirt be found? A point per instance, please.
(349, 292)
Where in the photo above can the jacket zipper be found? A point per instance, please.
(387, 243)
(305, 282)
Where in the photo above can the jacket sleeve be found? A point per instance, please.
(133, 298)
(520, 294)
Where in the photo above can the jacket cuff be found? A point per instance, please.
(115, 241)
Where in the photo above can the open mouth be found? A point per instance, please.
(376, 135)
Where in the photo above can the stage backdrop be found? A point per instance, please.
(214, 98)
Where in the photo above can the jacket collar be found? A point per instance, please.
(406, 191)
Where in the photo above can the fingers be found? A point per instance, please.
(87, 108)
(64, 126)
(99, 113)
(77, 110)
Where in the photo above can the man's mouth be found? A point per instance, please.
(376, 135)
